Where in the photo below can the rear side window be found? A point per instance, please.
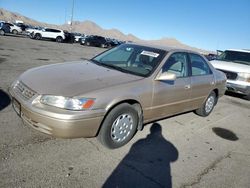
(52, 30)
(199, 65)
(56, 31)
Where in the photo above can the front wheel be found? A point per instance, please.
(14, 32)
(208, 105)
(2, 32)
(119, 126)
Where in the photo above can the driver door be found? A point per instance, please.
(172, 97)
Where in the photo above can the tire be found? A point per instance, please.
(103, 45)
(59, 39)
(15, 32)
(87, 43)
(119, 126)
(37, 36)
(2, 32)
(208, 106)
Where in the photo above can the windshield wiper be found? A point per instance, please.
(108, 65)
(95, 61)
(114, 67)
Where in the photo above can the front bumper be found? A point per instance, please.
(238, 88)
(61, 128)
(58, 124)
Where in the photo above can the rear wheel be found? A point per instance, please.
(119, 126)
(14, 32)
(59, 39)
(208, 105)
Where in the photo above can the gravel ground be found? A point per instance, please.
(182, 151)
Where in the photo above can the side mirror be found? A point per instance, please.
(166, 76)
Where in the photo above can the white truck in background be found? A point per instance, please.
(236, 65)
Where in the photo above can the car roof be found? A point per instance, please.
(239, 50)
(163, 47)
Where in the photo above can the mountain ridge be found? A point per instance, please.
(91, 28)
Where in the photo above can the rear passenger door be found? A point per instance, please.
(202, 80)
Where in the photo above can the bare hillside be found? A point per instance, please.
(91, 28)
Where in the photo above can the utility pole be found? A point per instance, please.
(72, 13)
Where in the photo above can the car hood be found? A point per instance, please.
(73, 78)
(230, 66)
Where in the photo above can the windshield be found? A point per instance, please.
(130, 58)
(235, 56)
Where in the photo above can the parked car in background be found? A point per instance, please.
(211, 57)
(14, 28)
(113, 94)
(112, 42)
(4, 28)
(69, 37)
(97, 41)
(22, 26)
(236, 65)
(82, 39)
(48, 33)
(77, 36)
(30, 29)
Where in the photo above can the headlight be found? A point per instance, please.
(67, 103)
(242, 76)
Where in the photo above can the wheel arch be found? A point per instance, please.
(40, 34)
(216, 91)
(133, 102)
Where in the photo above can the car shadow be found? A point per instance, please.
(147, 164)
(4, 99)
(237, 95)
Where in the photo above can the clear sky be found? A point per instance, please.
(207, 24)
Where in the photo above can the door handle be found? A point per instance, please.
(187, 86)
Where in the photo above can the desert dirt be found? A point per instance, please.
(181, 151)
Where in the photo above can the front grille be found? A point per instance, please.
(230, 75)
(23, 91)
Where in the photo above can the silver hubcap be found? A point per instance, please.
(121, 127)
(209, 104)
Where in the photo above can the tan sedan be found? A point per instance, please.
(115, 93)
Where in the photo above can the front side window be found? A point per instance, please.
(177, 64)
(131, 58)
(199, 65)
